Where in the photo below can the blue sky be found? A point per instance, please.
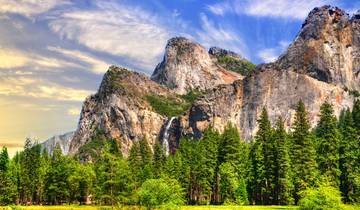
(53, 53)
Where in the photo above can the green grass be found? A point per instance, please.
(242, 67)
(75, 207)
(172, 106)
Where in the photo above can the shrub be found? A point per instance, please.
(156, 193)
(174, 105)
(321, 198)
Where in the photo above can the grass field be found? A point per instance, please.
(73, 207)
(137, 208)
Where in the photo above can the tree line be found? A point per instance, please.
(275, 168)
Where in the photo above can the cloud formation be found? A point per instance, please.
(268, 55)
(29, 8)
(297, 10)
(217, 35)
(117, 30)
(96, 65)
(35, 88)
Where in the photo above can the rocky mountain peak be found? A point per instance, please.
(327, 48)
(219, 52)
(187, 65)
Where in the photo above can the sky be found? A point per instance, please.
(53, 53)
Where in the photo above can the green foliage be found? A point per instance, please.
(303, 152)
(171, 106)
(283, 182)
(349, 159)
(157, 192)
(242, 67)
(324, 197)
(96, 143)
(113, 178)
(328, 139)
(356, 115)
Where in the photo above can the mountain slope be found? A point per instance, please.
(187, 66)
(307, 71)
(322, 64)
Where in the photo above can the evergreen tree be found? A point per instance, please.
(349, 160)
(283, 186)
(113, 179)
(56, 182)
(257, 173)
(159, 160)
(303, 152)
(207, 164)
(328, 144)
(7, 187)
(356, 115)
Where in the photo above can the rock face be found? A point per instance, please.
(63, 140)
(188, 65)
(120, 110)
(322, 64)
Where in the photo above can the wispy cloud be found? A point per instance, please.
(35, 88)
(270, 8)
(96, 65)
(29, 8)
(73, 111)
(14, 58)
(115, 29)
(212, 34)
(271, 54)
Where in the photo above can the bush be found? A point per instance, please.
(321, 198)
(156, 193)
(174, 105)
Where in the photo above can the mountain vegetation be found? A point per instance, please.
(304, 166)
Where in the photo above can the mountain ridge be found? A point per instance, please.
(320, 65)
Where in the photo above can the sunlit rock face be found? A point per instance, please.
(120, 111)
(188, 65)
(321, 65)
(63, 141)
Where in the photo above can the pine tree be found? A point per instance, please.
(207, 164)
(356, 115)
(283, 186)
(303, 152)
(7, 187)
(56, 182)
(264, 154)
(349, 160)
(328, 139)
(229, 147)
(159, 160)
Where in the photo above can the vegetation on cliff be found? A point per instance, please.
(279, 168)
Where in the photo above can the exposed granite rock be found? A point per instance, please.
(63, 140)
(322, 64)
(327, 48)
(187, 66)
(120, 110)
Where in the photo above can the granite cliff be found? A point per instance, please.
(321, 64)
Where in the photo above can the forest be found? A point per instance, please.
(303, 166)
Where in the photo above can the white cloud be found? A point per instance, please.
(271, 54)
(14, 58)
(29, 8)
(217, 35)
(98, 66)
(36, 88)
(270, 8)
(115, 29)
(73, 111)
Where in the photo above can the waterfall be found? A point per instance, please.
(165, 143)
